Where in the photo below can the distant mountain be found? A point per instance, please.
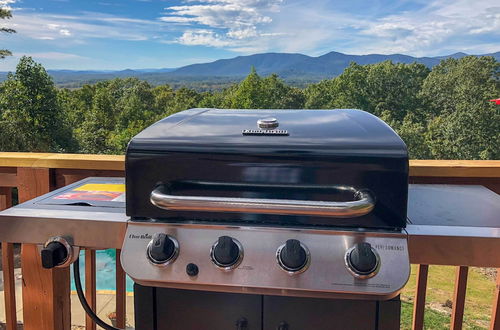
(286, 65)
(296, 69)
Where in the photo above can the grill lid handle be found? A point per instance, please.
(350, 209)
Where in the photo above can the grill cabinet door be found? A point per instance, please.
(199, 310)
(290, 313)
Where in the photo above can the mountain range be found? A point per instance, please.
(286, 65)
(291, 67)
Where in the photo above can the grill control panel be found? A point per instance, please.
(281, 261)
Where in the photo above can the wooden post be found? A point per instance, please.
(8, 268)
(90, 286)
(46, 293)
(120, 293)
(419, 303)
(495, 316)
(457, 315)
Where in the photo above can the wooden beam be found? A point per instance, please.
(90, 286)
(457, 315)
(495, 315)
(120, 293)
(46, 293)
(419, 303)
(53, 160)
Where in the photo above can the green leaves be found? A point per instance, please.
(30, 114)
(463, 124)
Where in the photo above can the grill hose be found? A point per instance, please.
(83, 301)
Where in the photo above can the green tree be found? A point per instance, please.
(248, 94)
(94, 131)
(255, 92)
(462, 123)
(136, 112)
(30, 115)
(184, 98)
(278, 95)
(5, 14)
(163, 98)
(319, 95)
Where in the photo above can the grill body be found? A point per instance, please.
(267, 219)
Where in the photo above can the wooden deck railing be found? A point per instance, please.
(46, 296)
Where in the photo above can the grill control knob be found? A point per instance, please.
(53, 254)
(162, 249)
(227, 252)
(293, 256)
(362, 260)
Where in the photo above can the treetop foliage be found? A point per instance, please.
(439, 113)
(5, 14)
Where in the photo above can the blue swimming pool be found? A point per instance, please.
(105, 274)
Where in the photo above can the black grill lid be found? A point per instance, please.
(331, 131)
(223, 153)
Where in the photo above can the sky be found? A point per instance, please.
(135, 34)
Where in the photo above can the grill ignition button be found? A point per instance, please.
(226, 253)
(162, 249)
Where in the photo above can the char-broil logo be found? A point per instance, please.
(141, 236)
(281, 132)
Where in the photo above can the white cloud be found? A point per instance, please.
(230, 21)
(435, 26)
(77, 28)
(202, 37)
(6, 3)
(244, 33)
(64, 32)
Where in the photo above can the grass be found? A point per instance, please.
(440, 287)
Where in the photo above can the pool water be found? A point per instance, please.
(105, 271)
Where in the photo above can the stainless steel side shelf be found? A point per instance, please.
(94, 224)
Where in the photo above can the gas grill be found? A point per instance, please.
(267, 219)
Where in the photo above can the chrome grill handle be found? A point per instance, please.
(350, 209)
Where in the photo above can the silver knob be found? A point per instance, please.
(268, 123)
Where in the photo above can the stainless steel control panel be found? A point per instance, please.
(324, 266)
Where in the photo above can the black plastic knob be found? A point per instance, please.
(54, 254)
(162, 248)
(226, 251)
(293, 256)
(362, 258)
